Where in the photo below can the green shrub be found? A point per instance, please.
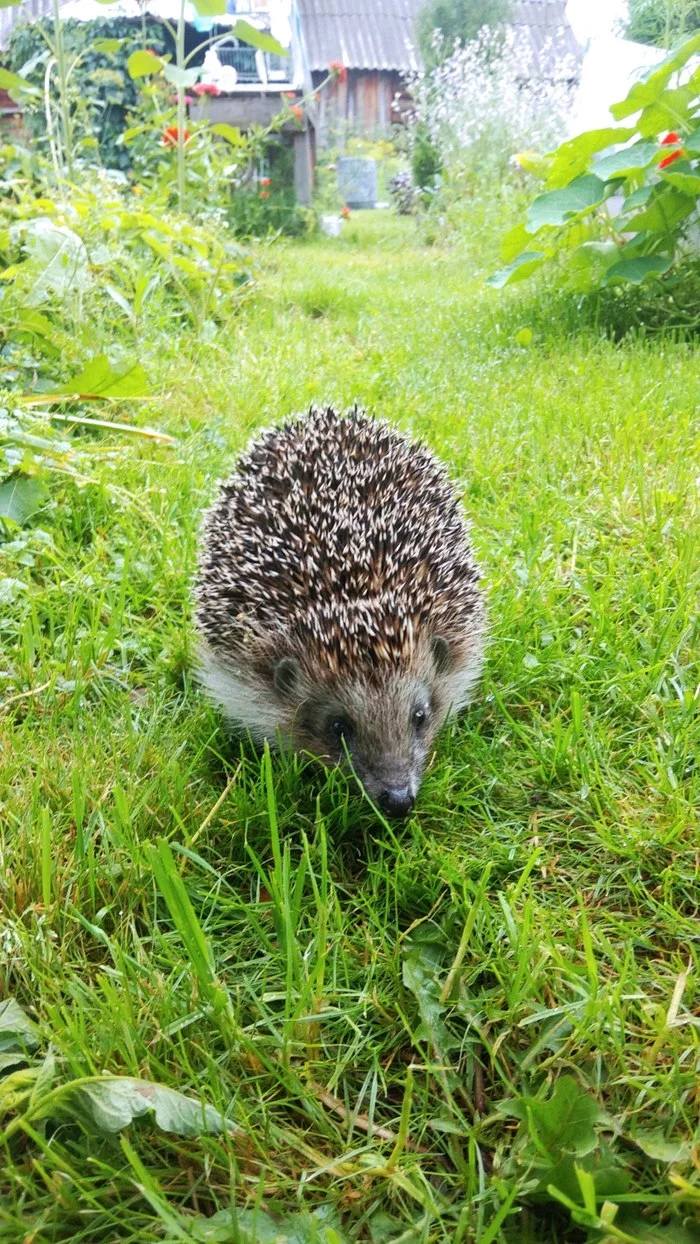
(661, 22)
(425, 161)
(620, 204)
(102, 92)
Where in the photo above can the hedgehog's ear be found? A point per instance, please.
(286, 676)
(440, 652)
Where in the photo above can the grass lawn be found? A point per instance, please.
(414, 1030)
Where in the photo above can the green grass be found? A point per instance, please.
(373, 1008)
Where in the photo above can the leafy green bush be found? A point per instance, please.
(102, 92)
(620, 203)
(661, 22)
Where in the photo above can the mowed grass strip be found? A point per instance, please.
(373, 1008)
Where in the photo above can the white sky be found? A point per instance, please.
(592, 18)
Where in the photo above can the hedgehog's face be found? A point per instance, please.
(382, 732)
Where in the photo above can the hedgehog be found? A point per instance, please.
(338, 602)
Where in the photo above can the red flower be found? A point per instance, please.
(297, 112)
(670, 138)
(206, 88)
(264, 194)
(345, 212)
(265, 181)
(337, 70)
(290, 94)
(171, 135)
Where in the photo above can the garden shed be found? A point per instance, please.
(376, 43)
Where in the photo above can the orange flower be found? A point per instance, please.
(297, 112)
(345, 212)
(171, 135)
(264, 194)
(670, 138)
(265, 181)
(337, 70)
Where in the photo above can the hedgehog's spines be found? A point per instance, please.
(339, 541)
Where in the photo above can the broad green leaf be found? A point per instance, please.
(516, 240)
(256, 1226)
(573, 157)
(689, 183)
(602, 1166)
(652, 83)
(16, 1028)
(562, 1124)
(99, 379)
(638, 198)
(230, 132)
(556, 207)
(628, 160)
(107, 47)
(142, 63)
(663, 212)
(642, 1231)
(637, 270)
(669, 112)
(421, 967)
(18, 88)
(180, 77)
(59, 258)
(589, 262)
(20, 497)
(111, 1103)
(655, 1145)
(9, 4)
(258, 39)
(518, 270)
(692, 142)
(210, 8)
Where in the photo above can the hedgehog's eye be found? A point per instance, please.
(340, 727)
(419, 718)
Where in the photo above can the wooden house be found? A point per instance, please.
(376, 43)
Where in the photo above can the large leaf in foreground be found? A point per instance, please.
(111, 1103)
(16, 1028)
(558, 207)
(99, 379)
(251, 1226)
(637, 270)
(518, 270)
(20, 497)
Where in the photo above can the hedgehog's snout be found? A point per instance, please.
(397, 801)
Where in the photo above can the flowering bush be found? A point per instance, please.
(484, 102)
(620, 204)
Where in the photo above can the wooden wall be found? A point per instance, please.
(364, 104)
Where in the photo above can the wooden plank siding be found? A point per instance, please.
(364, 104)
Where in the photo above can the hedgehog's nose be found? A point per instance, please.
(397, 802)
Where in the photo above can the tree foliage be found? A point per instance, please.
(661, 22)
(456, 20)
(100, 86)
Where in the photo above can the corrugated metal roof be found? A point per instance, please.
(543, 32)
(380, 34)
(363, 34)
